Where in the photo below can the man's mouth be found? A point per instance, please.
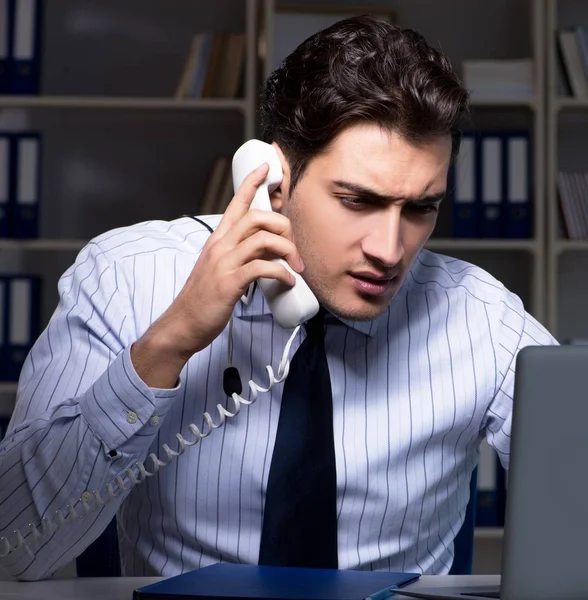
(372, 284)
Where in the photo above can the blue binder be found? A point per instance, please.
(492, 172)
(23, 305)
(5, 184)
(236, 581)
(26, 47)
(27, 175)
(6, 18)
(518, 186)
(463, 184)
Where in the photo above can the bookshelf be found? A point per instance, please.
(567, 126)
(109, 80)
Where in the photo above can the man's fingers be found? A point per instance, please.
(257, 220)
(264, 268)
(264, 245)
(242, 199)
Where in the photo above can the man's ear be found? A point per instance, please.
(280, 195)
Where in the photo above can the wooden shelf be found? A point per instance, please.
(488, 533)
(529, 245)
(433, 244)
(106, 102)
(571, 246)
(569, 103)
(8, 101)
(503, 102)
(41, 244)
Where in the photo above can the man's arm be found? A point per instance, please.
(83, 416)
(514, 330)
(92, 384)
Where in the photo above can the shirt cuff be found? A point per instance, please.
(119, 403)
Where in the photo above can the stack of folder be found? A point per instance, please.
(490, 186)
(20, 184)
(20, 46)
(19, 322)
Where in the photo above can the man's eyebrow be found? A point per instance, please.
(366, 192)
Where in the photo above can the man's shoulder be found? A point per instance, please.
(485, 296)
(185, 234)
(434, 271)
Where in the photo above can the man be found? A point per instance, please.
(365, 118)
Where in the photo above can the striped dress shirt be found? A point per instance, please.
(414, 392)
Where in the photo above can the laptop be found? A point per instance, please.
(545, 546)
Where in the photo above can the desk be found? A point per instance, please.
(121, 588)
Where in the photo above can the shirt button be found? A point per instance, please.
(154, 420)
(87, 496)
(131, 417)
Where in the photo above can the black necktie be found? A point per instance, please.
(300, 516)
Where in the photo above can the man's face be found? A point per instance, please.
(361, 213)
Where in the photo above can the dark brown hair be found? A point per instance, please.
(361, 69)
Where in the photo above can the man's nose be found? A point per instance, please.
(383, 243)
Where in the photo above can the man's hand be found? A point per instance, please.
(236, 254)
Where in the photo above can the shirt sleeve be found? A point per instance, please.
(515, 329)
(83, 417)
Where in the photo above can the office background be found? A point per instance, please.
(113, 112)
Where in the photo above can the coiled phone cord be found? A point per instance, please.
(49, 525)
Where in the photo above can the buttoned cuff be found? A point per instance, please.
(119, 403)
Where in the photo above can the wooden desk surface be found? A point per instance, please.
(121, 588)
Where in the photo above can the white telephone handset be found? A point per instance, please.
(290, 306)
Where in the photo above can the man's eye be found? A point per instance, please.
(425, 209)
(355, 201)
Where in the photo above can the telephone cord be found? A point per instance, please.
(49, 525)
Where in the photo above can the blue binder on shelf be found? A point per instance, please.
(27, 174)
(26, 47)
(518, 187)
(23, 304)
(492, 200)
(5, 184)
(6, 17)
(464, 188)
(236, 581)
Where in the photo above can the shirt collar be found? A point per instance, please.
(258, 307)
